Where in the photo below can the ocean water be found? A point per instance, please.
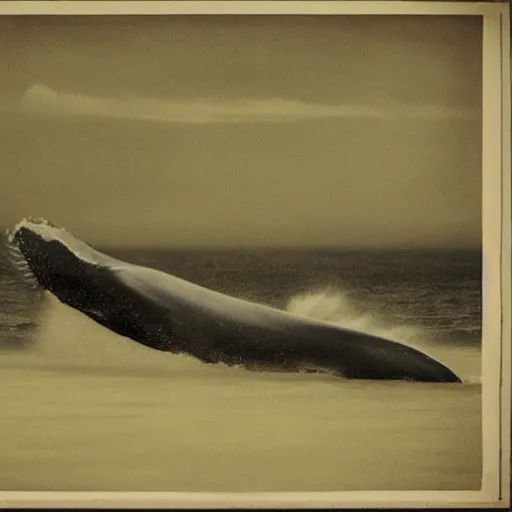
(86, 409)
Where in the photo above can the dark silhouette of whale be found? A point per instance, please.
(170, 314)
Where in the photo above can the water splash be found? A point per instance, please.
(338, 307)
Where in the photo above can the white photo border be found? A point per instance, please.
(496, 244)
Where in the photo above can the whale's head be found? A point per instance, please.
(51, 257)
(35, 250)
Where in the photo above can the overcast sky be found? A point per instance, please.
(214, 131)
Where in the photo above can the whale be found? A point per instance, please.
(169, 314)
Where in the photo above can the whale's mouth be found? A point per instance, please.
(15, 248)
(20, 265)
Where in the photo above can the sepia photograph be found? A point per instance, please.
(242, 253)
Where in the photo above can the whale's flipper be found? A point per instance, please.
(170, 314)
